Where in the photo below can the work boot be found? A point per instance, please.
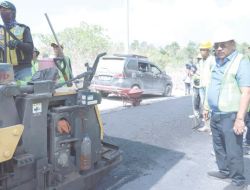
(196, 114)
(206, 127)
(218, 176)
(246, 144)
(234, 187)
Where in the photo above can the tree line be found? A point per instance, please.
(83, 43)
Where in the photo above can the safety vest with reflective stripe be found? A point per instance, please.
(34, 67)
(230, 93)
(13, 56)
(197, 77)
(205, 68)
(247, 58)
(66, 70)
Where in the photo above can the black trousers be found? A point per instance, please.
(248, 129)
(187, 88)
(228, 147)
(196, 98)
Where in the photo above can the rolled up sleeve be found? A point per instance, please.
(243, 74)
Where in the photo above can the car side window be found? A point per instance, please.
(155, 70)
(132, 65)
(143, 67)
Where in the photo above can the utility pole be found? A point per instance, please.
(127, 19)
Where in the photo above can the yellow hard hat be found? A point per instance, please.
(205, 44)
(199, 56)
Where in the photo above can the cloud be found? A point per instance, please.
(110, 20)
(159, 22)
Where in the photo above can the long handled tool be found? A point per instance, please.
(64, 60)
(58, 61)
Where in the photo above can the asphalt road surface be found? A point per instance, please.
(160, 150)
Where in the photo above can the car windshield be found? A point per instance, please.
(110, 65)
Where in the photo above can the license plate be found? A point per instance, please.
(105, 78)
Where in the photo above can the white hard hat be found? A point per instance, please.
(223, 34)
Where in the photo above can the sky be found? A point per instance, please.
(157, 22)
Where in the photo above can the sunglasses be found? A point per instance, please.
(222, 45)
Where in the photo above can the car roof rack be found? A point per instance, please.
(131, 55)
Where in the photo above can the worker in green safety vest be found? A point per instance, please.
(34, 61)
(228, 96)
(196, 88)
(34, 67)
(206, 63)
(58, 53)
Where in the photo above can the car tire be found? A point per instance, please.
(135, 87)
(104, 94)
(167, 91)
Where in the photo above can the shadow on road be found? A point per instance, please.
(138, 160)
(112, 97)
(143, 96)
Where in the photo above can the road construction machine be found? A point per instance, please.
(42, 128)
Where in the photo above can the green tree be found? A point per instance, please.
(192, 50)
(175, 47)
(243, 48)
(135, 46)
(81, 44)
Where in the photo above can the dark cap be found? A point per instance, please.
(8, 5)
(35, 49)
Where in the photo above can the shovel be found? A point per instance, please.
(58, 61)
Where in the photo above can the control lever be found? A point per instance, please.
(87, 79)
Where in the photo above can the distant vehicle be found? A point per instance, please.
(120, 72)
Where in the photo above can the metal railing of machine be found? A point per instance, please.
(88, 75)
(87, 79)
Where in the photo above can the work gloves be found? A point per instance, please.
(12, 44)
(63, 126)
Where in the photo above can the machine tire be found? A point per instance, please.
(167, 91)
(135, 87)
(104, 94)
(137, 102)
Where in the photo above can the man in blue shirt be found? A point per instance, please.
(246, 143)
(228, 97)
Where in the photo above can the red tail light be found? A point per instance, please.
(122, 75)
(96, 75)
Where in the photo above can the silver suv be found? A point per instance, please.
(120, 72)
